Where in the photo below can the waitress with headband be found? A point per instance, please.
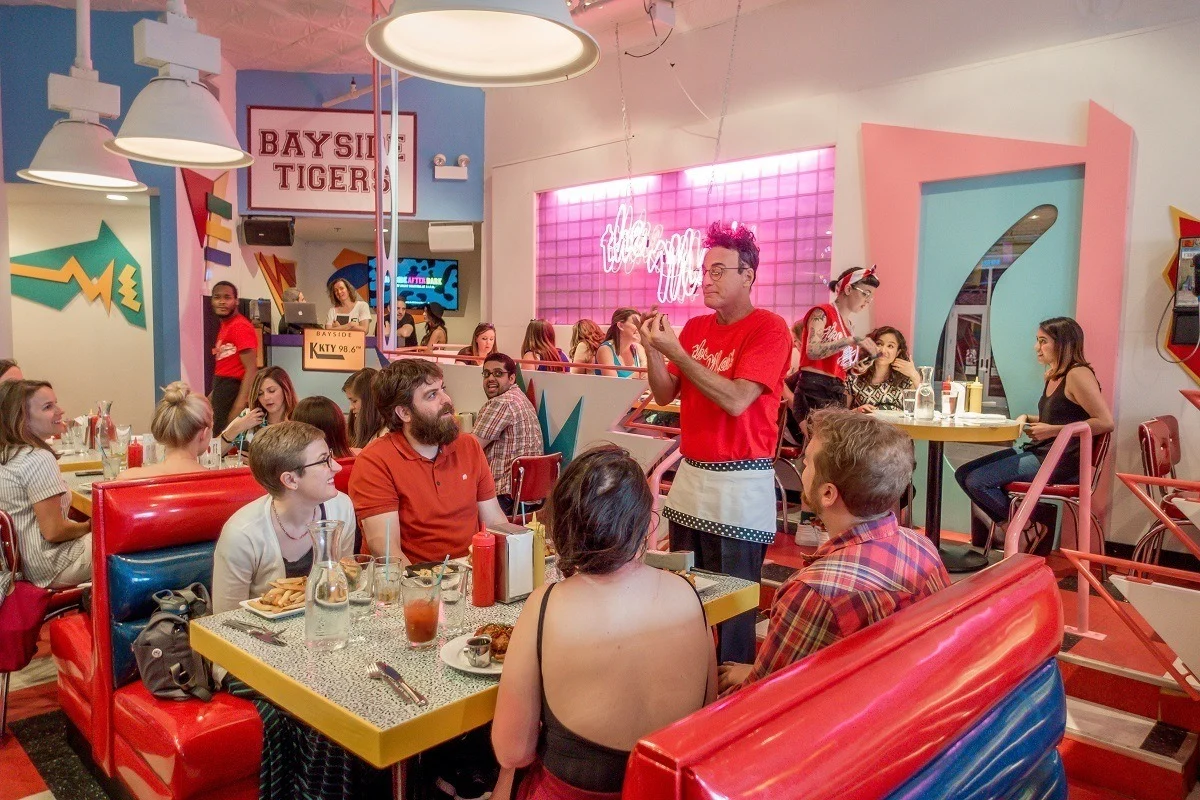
(829, 348)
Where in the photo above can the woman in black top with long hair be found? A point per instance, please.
(1071, 394)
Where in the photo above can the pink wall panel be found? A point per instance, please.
(787, 200)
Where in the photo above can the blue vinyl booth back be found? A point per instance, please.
(133, 579)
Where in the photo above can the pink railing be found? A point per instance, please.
(1138, 570)
(449, 352)
(1012, 537)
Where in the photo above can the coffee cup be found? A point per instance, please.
(478, 651)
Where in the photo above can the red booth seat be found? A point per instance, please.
(189, 747)
(160, 749)
(890, 712)
(71, 647)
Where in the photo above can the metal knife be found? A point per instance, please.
(262, 634)
(413, 694)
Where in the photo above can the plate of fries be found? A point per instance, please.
(284, 599)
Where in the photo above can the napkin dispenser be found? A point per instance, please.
(514, 561)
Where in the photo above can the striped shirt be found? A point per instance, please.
(30, 476)
(861, 576)
(508, 428)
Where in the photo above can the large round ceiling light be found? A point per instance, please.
(486, 43)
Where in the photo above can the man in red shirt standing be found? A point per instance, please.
(727, 369)
(235, 354)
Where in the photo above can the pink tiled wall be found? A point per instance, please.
(787, 200)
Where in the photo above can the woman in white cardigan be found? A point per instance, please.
(268, 539)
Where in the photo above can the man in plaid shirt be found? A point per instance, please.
(507, 425)
(855, 470)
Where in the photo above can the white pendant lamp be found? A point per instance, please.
(73, 155)
(176, 121)
(487, 43)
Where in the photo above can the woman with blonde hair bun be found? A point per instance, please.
(183, 422)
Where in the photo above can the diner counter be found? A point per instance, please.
(331, 691)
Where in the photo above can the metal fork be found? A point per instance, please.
(375, 673)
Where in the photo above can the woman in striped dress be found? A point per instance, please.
(55, 552)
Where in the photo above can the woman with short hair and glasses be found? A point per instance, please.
(828, 346)
(268, 539)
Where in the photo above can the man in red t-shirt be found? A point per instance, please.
(727, 369)
(423, 483)
(235, 354)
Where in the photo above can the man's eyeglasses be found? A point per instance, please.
(327, 461)
(716, 272)
(495, 373)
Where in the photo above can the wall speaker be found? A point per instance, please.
(447, 238)
(268, 231)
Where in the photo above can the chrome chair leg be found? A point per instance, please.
(4, 704)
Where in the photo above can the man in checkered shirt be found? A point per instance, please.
(855, 470)
(507, 425)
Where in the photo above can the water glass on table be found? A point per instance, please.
(111, 461)
(422, 603)
(359, 570)
(909, 399)
(454, 602)
(385, 587)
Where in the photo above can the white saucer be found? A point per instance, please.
(452, 655)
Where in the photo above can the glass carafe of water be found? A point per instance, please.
(925, 394)
(327, 594)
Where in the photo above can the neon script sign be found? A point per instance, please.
(630, 241)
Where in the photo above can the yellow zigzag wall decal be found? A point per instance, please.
(128, 288)
(73, 270)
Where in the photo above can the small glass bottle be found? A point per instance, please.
(327, 593)
(925, 394)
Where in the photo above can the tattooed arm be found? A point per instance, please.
(818, 349)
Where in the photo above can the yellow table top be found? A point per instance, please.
(957, 430)
(330, 691)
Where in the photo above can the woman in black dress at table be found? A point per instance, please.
(1071, 394)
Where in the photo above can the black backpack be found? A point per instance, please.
(169, 667)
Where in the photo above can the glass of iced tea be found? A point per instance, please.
(422, 602)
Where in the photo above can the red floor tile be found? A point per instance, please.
(21, 778)
(33, 701)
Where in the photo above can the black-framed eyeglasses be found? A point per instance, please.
(495, 373)
(716, 272)
(327, 461)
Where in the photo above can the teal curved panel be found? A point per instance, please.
(960, 221)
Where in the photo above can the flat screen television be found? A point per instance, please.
(423, 280)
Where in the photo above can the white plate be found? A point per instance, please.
(703, 583)
(267, 614)
(452, 656)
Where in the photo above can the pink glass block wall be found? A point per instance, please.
(787, 200)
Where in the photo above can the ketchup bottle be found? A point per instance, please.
(133, 455)
(483, 562)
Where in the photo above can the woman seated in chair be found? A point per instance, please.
(619, 651)
(879, 383)
(268, 538)
(1071, 394)
(183, 423)
(56, 552)
(273, 399)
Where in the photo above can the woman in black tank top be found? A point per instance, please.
(1071, 394)
(621, 649)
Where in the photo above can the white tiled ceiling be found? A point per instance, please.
(327, 35)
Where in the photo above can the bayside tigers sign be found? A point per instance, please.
(312, 159)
